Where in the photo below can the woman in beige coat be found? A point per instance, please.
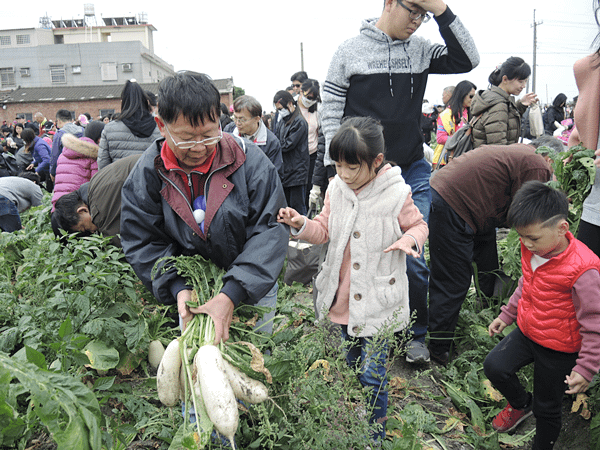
(500, 121)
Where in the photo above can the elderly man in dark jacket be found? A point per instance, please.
(163, 213)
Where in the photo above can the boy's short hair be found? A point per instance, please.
(536, 202)
(65, 215)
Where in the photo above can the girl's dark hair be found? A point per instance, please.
(191, 95)
(535, 203)
(455, 103)
(358, 140)
(28, 135)
(311, 86)
(283, 98)
(133, 99)
(514, 68)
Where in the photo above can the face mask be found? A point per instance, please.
(283, 113)
(308, 103)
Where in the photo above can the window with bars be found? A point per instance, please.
(25, 71)
(7, 77)
(23, 39)
(5, 40)
(58, 75)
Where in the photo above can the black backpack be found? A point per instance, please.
(8, 165)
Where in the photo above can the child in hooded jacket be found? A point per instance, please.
(371, 223)
(77, 163)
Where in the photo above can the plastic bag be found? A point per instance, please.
(536, 122)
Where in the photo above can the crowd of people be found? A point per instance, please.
(182, 173)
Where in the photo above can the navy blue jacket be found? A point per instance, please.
(293, 136)
(244, 195)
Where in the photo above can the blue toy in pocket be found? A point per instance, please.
(200, 211)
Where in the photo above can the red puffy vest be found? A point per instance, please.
(546, 313)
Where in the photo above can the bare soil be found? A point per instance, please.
(424, 384)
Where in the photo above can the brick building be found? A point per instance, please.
(96, 100)
(80, 65)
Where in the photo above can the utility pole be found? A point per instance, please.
(535, 24)
(301, 56)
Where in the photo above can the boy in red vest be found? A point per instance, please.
(557, 309)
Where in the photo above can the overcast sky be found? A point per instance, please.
(258, 42)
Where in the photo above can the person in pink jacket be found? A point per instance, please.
(77, 163)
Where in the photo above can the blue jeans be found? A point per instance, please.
(10, 220)
(265, 324)
(372, 374)
(417, 177)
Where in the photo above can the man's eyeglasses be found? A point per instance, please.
(240, 120)
(185, 145)
(415, 15)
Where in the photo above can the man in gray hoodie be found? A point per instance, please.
(382, 73)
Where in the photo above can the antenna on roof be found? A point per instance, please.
(45, 22)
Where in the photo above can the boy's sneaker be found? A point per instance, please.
(508, 419)
(417, 352)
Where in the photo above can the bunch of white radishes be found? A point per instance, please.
(194, 371)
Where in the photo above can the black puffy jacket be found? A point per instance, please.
(293, 136)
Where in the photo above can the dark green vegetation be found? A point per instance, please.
(75, 324)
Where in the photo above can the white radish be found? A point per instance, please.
(155, 353)
(167, 377)
(217, 393)
(244, 387)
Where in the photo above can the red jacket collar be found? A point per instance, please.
(171, 162)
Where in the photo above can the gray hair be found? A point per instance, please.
(249, 103)
(549, 141)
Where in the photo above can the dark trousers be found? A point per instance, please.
(549, 372)
(590, 235)
(311, 170)
(453, 247)
(294, 195)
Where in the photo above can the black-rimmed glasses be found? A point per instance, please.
(415, 15)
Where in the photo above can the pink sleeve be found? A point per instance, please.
(316, 231)
(509, 311)
(441, 135)
(587, 308)
(412, 223)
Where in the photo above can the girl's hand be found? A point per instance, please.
(597, 160)
(405, 245)
(29, 167)
(529, 99)
(290, 217)
(576, 383)
(496, 327)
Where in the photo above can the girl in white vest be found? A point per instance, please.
(371, 223)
